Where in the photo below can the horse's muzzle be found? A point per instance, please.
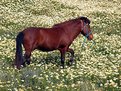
(90, 37)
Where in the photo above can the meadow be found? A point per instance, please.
(96, 68)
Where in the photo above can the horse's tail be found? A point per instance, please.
(19, 53)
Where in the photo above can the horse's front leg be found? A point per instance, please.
(72, 56)
(62, 51)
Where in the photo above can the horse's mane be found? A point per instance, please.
(85, 19)
(64, 23)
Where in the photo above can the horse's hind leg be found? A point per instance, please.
(28, 49)
(27, 56)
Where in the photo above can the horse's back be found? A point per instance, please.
(44, 39)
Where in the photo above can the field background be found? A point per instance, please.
(95, 69)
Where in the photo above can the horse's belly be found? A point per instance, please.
(45, 49)
(49, 44)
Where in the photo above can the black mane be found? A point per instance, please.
(85, 19)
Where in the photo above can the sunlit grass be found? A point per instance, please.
(95, 69)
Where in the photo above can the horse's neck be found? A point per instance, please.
(73, 29)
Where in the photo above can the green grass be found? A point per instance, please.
(95, 69)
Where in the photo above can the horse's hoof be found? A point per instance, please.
(28, 62)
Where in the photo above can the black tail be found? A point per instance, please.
(19, 53)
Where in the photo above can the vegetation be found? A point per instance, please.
(95, 69)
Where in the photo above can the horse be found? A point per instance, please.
(58, 37)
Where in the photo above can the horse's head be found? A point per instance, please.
(85, 28)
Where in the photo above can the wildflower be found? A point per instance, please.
(20, 89)
(22, 80)
(72, 85)
(34, 76)
(47, 87)
(15, 89)
(61, 71)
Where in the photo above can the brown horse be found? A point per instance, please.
(59, 37)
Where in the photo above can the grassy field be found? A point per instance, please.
(95, 69)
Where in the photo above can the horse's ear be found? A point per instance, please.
(88, 21)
